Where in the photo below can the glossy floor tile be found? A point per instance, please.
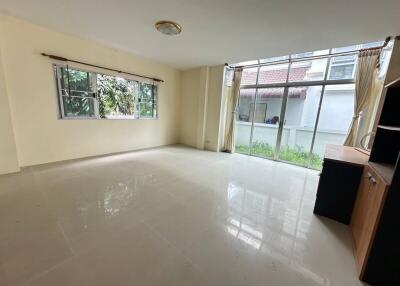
(169, 216)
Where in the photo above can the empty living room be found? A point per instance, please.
(199, 143)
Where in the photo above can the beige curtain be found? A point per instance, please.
(231, 106)
(367, 67)
(369, 113)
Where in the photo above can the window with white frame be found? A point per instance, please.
(342, 67)
(90, 95)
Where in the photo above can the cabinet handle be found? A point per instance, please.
(371, 179)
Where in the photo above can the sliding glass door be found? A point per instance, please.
(244, 120)
(265, 128)
(291, 107)
(299, 124)
(290, 111)
(334, 119)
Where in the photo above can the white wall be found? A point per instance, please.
(189, 102)
(190, 94)
(40, 137)
(8, 151)
(194, 96)
(201, 107)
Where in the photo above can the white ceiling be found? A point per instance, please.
(216, 31)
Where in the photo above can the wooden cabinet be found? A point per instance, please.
(376, 219)
(374, 209)
(366, 215)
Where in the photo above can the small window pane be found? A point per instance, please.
(310, 54)
(116, 97)
(147, 91)
(147, 109)
(273, 74)
(274, 59)
(246, 63)
(246, 98)
(78, 106)
(249, 76)
(344, 49)
(342, 67)
(372, 45)
(308, 70)
(77, 82)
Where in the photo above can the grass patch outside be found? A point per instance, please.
(294, 155)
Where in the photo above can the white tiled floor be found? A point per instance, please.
(169, 216)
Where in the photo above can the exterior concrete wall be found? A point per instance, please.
(293, 137)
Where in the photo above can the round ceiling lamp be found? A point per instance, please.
(169, 28)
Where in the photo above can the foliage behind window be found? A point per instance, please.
(85, 94)
(117, 96)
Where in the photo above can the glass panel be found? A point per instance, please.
(335, 117)
(260, 115)
(249, 76)
(344, 49)
(310, 54)
(147, 91)
(308, 70)
(300, 116)
(342, 67)
(372, 45)
(274, 59)
(146, 109)
(273, 74)
(246, 63)
(268, 106)
(116, 97)
(77, 82)
(78, 106)
(243, 120)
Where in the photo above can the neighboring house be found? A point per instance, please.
(302, 101)
(337, 106)
(302, 105)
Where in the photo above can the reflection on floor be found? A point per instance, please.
(168, 216)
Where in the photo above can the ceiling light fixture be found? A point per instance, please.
(169, 28)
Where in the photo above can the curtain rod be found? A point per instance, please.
(312, 57)
(58, 58)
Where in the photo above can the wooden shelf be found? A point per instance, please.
(387, 127)
(395, 82)
(386, 171)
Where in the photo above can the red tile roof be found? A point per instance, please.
(278, 75)
(268, 75)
